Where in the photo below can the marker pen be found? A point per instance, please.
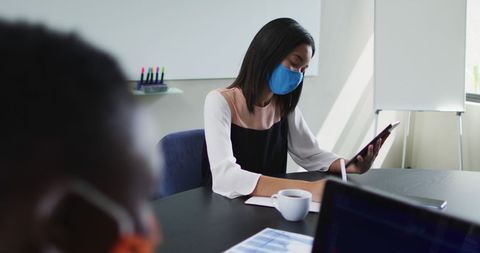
(147, 81)
(163, 72)
(156, 75)
(151, 75)
(140, 83)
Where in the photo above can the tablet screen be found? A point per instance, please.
(383, 135)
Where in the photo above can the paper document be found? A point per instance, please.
(274, 240)
(266, 201)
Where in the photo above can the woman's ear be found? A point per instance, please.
(72, 224)
(49, 229)
(57, 232)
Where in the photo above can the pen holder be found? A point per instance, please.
(152, 88)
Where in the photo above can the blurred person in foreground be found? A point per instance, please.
(76, 168)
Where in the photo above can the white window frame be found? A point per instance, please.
(472, 49)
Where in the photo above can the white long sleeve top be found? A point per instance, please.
(224, 107)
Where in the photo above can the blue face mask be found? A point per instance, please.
(283, 80)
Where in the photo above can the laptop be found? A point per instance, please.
(360, 219)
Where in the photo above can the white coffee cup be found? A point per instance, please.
(293, 204)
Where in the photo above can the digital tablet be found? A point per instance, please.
(383, 135)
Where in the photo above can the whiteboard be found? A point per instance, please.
(192, 39)
(419, 55)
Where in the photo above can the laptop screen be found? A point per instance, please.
(354, 219)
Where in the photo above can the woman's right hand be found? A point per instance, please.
(267, 186)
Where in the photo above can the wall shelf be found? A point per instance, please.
(171, 90)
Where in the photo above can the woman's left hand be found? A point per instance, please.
(363, 164)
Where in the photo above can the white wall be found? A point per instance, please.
(338, 103)
(344, 89)
(152, 33)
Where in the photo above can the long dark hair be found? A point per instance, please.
(267, 50)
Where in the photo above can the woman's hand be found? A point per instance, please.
(363, 164)
(267, 186)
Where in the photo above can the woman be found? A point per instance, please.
(69, 181)
(251, 125)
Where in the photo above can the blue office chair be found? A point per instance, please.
(185, 162)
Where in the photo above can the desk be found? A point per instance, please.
(201, 221)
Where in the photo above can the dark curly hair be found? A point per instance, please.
(58, 89)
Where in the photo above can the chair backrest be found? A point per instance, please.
(185, 162)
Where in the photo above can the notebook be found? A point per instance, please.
(274, 240)
(359, 219)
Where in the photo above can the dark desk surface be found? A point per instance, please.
(201, 221)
